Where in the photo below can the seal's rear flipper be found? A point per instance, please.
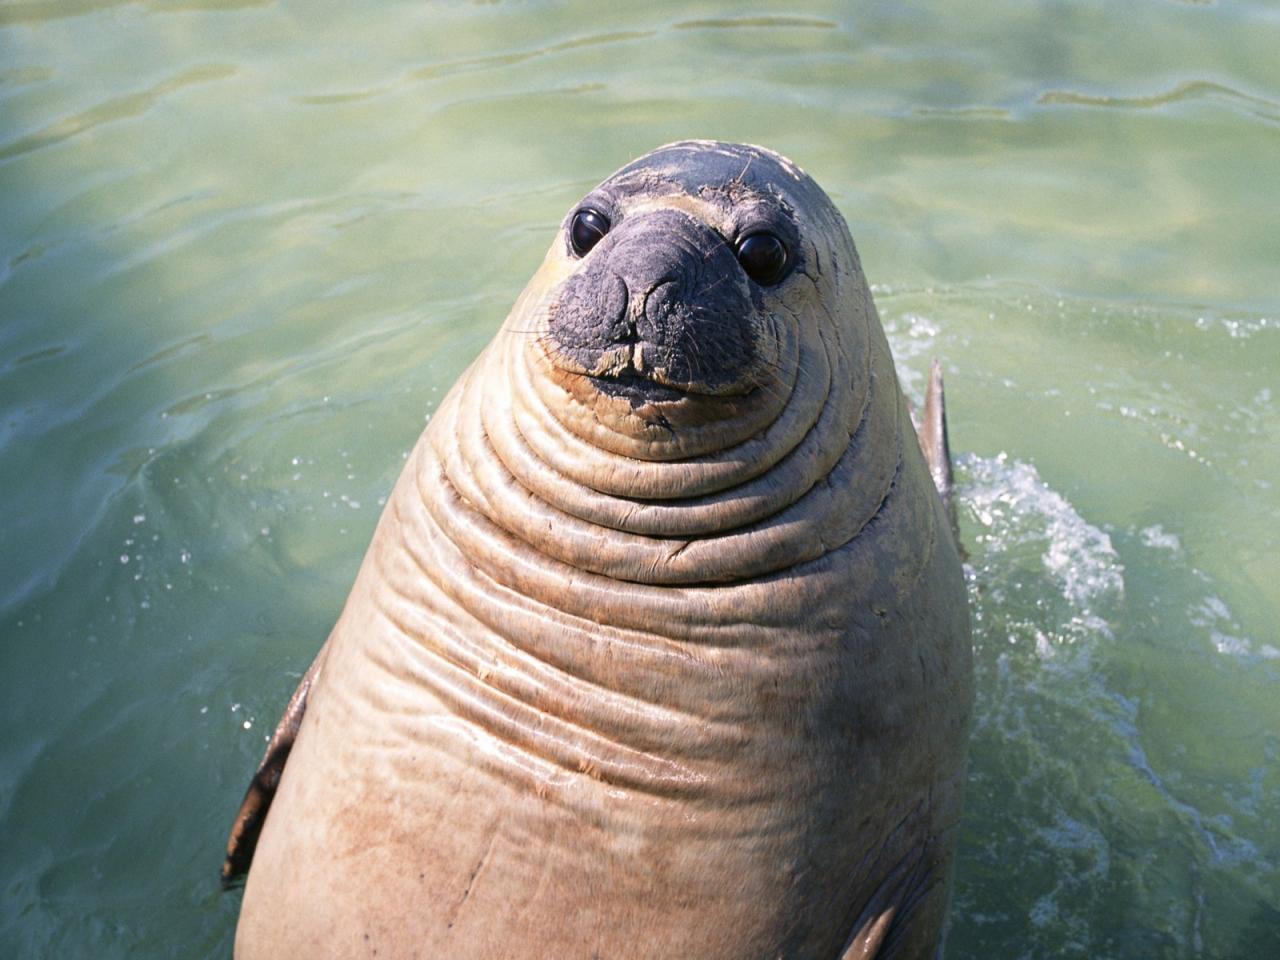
(934, 444)
(904, 913)
(262, 788)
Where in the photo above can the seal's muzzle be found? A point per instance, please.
(659, 306)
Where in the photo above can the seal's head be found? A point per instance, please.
(673, 304)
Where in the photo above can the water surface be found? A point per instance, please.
(246, 246)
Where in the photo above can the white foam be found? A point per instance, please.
(1155, 536)
(1225, 633)
(1019, 517)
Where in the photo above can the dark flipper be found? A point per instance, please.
(262, 788)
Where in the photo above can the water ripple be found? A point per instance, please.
(24, 76)
(447, 68)
(1185, 91)
(772, 23)
(109, 111)
(41, 11)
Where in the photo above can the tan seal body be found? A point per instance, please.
(661, 646)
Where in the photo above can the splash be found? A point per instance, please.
(1027, 534)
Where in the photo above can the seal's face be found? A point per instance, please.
(670, 297)
(671, 306)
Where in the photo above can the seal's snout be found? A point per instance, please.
(660, 306)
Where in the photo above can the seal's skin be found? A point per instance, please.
(661, 646)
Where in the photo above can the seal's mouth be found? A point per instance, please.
(642, 372)
(635, 387)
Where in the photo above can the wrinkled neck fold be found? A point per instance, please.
(594, 611)
(798, 473)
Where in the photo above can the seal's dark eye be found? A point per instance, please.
(764, 257)
(588, 227)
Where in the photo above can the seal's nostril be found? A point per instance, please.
(615, 306)
(661, 302)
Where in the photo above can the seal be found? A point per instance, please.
(661, 645)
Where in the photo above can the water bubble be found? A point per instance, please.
(1155, 536)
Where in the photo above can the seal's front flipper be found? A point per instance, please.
(932, 431)
(262, 788)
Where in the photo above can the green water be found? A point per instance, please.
(245, 247)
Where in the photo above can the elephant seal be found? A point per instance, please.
(661, 646)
